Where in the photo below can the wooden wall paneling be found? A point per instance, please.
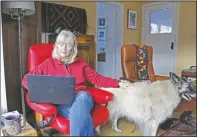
(31, 34)
(11, 61)
(86, 48)
(29, 38)
(39, 20)
(93, 54)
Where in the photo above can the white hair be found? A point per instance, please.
(66, 37)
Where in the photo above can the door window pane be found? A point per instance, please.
(160, 21)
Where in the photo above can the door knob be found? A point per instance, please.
(172, 45)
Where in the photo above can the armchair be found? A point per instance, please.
(46, 114)
(128, 62)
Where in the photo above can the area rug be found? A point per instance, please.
(182, 126)
(126, 128)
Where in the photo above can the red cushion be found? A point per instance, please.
(99, 114)
(61, 124)
(38, 53)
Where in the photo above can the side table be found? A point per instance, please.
(191, 72)
(188, 105)
(28, 130)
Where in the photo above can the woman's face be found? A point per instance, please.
(64, 50)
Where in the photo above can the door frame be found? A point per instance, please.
(121, 6)
(176, 39)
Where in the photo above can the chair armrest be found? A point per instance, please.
(100, 96)
(157, 77)
(46, 110)
(130, 80)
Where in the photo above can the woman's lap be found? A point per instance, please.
(64, 110)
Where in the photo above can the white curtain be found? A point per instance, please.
(3, 88)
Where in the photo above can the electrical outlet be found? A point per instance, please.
(189, 80)
(193, 34)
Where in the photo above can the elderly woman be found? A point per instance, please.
(63, 63)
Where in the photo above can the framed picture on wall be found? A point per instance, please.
(101, 22)
(101, 56)
(101, 34)
(132, 19)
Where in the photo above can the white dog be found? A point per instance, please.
(147, 104)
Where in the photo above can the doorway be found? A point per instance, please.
(109, 38)
(160, 30)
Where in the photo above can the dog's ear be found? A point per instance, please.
(184, 79)
(170, 73)
(174, 77)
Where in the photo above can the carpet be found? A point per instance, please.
(183, 126)
(126, 128)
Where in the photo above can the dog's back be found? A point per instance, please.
(149, 99)
(148, 104)
(143, 101)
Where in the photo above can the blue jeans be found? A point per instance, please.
(81, 123)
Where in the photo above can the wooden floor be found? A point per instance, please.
(106, 130)
(127, 128)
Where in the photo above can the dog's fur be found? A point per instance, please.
(148, 104)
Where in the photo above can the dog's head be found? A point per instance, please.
(183, 86)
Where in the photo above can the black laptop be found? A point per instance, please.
(51, 89)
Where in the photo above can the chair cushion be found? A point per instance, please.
(38, 53)
(100, 115)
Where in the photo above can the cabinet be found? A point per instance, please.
(86, 49)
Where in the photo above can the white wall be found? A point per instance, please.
(3, 88)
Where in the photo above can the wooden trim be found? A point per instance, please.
(38, 118)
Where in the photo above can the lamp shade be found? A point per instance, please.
(9, 7)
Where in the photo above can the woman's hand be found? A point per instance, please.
(124, 83)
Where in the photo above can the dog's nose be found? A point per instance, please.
(192, 92)
(193, 95)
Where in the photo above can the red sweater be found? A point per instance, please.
(79, 69)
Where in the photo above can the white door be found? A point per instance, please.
(106, 40)
(159, 23)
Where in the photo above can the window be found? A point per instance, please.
(160, 21)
